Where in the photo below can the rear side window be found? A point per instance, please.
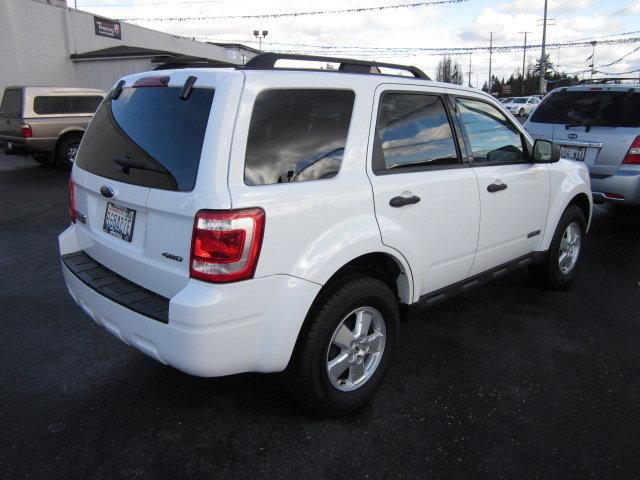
(11, 104)
(55, 105)
(492, 138)
(148, 136)
(297, 135)
(413, 130)
(590, 108)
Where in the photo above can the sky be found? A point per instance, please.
(370, 34)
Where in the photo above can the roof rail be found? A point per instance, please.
(609, 80)
(267, 61)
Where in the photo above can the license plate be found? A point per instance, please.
(9, 145)
(118, 221)
(573, 153)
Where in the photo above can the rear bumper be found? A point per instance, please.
(623, 183)
(26, 146)
(212, 330)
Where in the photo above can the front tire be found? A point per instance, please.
(521, 112)
(561, 262)
(345, 346)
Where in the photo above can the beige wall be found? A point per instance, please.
(36, 40)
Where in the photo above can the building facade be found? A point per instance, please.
(42, 42)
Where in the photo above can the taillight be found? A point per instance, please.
(72, 201)
(226, 244)
(633, 155)
(25, 131)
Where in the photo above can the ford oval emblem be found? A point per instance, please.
(572, 136)
(106, 191)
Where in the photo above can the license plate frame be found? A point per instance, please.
(572, 152)
(119, 221)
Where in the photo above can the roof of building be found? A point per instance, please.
(236, 45)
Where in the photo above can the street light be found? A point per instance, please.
(256, 33)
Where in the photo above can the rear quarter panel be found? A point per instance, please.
(312, 228)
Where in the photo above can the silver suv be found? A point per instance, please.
(46, 122)
(598, 124)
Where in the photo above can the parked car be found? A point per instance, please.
(265, 220)
(598, 125)
(46, 122)
(521, 106)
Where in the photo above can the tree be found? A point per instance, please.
(449, 71)
(547, 64)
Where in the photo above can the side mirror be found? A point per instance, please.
(545, 152)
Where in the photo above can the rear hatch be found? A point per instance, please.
(11, 114)
(154, 154)
(595, 125)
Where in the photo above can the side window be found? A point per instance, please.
(85, 104)
(11, 104)
(297, 135)
(413, 130)
(491, 136)
(51, 105)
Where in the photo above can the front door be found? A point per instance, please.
(426, 197)
(514, 192)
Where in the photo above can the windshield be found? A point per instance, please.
(148, 136)
(590, 108)
(519, 100)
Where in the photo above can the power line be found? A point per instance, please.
(297, 14)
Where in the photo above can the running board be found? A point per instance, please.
(470, 283)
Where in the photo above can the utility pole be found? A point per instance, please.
(470, 70)
(524, 58)
(593, 58)
(543, 65)
(490, 55)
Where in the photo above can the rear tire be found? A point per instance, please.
(561, 262)
(333, 338)
(66, 150)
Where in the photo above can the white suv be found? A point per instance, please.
(278, 220)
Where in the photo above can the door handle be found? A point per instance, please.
(496, 187)
(397, 202)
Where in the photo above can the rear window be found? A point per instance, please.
(590, 107)
(149, 137)
(54, 105)
(11, 104)
(297, 135)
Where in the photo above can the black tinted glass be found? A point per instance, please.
(297, 135)
(492, 137)
(52, 105)
(65, 104)
(590, 107)
(85, 104)
(11, 104)
(154, 132)
(412, 130)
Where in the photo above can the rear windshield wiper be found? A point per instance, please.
(126, 164)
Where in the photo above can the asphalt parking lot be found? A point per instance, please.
(505, 382)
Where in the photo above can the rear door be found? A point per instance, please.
(11, 113)
(514, 192)
(147, 163)
(426, 197)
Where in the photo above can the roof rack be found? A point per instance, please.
(267, 61)
(608, 80)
